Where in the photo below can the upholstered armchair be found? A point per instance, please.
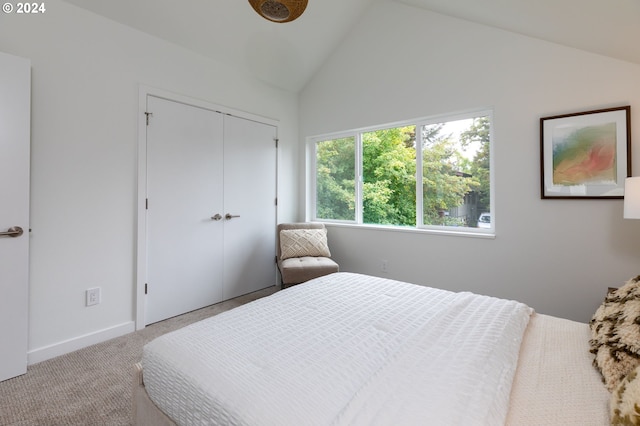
(303, 252)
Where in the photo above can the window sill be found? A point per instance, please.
(442, 232)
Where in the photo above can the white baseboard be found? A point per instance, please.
(47, 352)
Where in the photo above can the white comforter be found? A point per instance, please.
(345, 349)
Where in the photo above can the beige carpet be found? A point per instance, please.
(91, 386)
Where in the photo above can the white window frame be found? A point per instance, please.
(420, 226)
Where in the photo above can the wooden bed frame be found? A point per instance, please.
(145, 412)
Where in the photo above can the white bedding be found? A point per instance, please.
(555, 383)
(345, 349)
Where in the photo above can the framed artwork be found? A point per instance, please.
(585, 154)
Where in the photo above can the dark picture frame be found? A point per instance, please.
(585, 154)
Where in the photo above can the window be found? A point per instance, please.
(335, 179)
(428, 173)
(389, 176)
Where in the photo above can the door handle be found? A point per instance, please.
(217, 216)
(229, 216)
(12, 232)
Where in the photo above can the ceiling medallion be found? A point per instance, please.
(279, 10)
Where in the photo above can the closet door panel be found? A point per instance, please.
(250, 201)
(184, 191)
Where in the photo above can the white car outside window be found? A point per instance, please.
(484, 221)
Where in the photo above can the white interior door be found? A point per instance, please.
(249, 193)
(184, 192)
(15, 112)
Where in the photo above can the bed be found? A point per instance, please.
(351, 349)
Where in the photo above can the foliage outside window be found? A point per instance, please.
(335, 179)
(371, 176)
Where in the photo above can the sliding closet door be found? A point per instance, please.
(250, 201)
(185, 193)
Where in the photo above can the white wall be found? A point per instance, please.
(86, 73)
(559, 256)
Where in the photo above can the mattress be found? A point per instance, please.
(345, 349)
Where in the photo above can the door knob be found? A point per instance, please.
(229, 216)
(217, 216)
(12, 232)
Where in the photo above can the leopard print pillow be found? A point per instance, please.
(615, 333)
(625, 399)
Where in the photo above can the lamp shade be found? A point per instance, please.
(279, 10)
(632, 198)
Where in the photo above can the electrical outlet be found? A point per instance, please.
(93, 296)
(384, 266)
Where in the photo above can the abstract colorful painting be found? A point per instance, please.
(585, 155)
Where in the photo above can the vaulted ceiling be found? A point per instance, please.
(287, 55)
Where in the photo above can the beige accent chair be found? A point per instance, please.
(303, 253)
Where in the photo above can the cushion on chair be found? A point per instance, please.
(297, 270)
(303, 242)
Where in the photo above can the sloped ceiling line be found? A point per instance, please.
(287, 55)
